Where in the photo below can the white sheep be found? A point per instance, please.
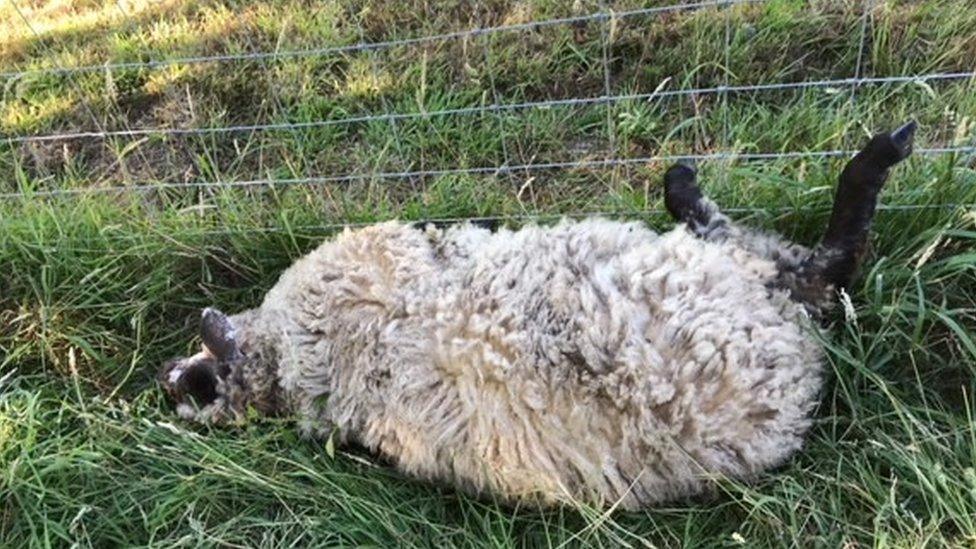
(594, 362)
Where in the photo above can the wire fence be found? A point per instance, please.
(496, 108)
(606, 17)
(372, 46)
(479, 170)
(552, 216)
(317, 229)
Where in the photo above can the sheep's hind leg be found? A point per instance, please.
(838, 256)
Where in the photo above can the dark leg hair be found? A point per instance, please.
(839, 254)
(686, 204)
(809, 277)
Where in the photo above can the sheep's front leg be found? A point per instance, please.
(686, 204)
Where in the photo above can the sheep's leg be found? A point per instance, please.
(810, 278)
(686, 204)
(844, 243)
(837, 258)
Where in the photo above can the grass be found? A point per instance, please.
(97, 290)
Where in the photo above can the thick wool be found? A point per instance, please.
(591, 361)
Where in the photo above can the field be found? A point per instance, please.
(98, 286)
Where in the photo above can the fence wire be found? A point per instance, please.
(372, 46)
(479, 170)
(606, 17)
(497, 108)
(536, 217)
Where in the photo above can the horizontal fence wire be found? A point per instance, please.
(373, 46)
(496, 108)
(480, 170)
(529, 217)
(542, 216)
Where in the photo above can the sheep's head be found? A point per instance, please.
(227, 378)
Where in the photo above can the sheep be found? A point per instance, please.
(590, 362)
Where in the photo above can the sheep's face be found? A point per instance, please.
(193, 384)
(212, 386)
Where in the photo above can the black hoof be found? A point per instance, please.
(682, 171)
(681, 192)
(903, 138)
(887, 149)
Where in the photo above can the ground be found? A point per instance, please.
(98, 288)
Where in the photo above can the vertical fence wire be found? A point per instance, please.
(867, 7)
(724, 95)
(499, 120)
(396, 128)
(606, 36)
(71, 76)
(281, 112)
(114, 107)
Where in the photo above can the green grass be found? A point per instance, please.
(96, 290)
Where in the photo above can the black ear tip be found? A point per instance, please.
(213, 322)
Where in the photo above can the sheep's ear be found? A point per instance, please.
(218, 334)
